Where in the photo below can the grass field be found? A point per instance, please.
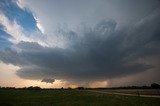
(70, 98)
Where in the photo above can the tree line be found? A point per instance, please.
(152, 86)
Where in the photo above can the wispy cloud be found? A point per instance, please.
(39, 25)
(13, 29)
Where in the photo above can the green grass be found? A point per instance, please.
(70, 98)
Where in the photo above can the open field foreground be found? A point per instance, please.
(71, 98)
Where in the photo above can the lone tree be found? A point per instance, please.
(155, 86)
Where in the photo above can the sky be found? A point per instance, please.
(71, 43)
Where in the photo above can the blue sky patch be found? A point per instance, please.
(23, 17)
(4, 38)
(3, 34)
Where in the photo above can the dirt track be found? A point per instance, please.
(104, 92)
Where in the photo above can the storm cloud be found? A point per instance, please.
(99, 53)
(48, 80)
(109, 48)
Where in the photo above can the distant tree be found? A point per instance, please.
(145, 87)
(80, 88)
(69, 88)
(24, 88)
(10, 88)
(34, 88)
(155, 86)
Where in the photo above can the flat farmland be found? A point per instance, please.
(15, 97)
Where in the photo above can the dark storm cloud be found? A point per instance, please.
(48, 80)
(99, 53)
